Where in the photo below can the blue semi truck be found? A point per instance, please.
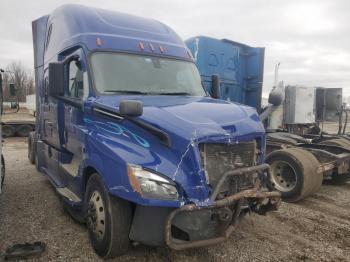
(240, 68)
(132, 141)
(300, 156)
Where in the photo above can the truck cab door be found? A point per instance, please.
(50, 120)
(72, 130)
(52, 109)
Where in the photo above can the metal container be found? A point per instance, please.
(328, 103)
(299, 105)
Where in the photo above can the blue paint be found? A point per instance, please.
(239, 66)
(116, 129)
(106, 144)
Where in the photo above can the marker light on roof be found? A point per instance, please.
(152, 47)
(161, 49)
(142, 47)
(98, 41)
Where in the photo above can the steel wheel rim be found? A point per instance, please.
(97, 215)
(283, 176)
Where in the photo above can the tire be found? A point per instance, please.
(337, 142)
(24, 130)
(345, 142)
(2, 175)
(37, 162)
(110, 238)
(294, 173)
(31, 148)
(314, 163)
(8, 131)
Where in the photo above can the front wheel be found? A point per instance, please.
(108, 219)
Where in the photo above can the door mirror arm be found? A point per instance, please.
(215, 89)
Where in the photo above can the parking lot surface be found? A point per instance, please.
(316, 229)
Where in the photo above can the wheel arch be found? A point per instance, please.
(87, 173)
(90, 165)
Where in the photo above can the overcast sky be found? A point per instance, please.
(310, 38)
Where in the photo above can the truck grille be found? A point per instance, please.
(217, 159)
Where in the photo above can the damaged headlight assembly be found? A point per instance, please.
(151, 185)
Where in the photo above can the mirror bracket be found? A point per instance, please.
(215, 89)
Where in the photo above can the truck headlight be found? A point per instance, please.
(151, 185)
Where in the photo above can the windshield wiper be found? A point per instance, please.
(149, 93)
(173, 94)
(126, 92)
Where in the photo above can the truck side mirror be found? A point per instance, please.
(12, 89)
(131, 108)
(215, 86)
(56, 79)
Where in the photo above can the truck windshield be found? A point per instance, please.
(136, 74)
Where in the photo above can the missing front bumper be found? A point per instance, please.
(263, 202)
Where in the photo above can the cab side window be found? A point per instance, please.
(76, 81)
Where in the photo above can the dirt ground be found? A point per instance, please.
(316, 229)
(23, 116)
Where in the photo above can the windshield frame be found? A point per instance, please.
(92, 75)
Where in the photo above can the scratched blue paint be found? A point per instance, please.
(117, 129)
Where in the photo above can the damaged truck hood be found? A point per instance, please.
(188, 121)
(193, 117)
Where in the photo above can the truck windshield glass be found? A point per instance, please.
(136, 74)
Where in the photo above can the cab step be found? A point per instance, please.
(66, 193)
(73, 167)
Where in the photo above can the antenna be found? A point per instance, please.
(277, 66)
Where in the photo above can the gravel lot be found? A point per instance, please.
(316, 229)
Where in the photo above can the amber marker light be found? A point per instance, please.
(141, 45)
(133, 181)
(161, 49)
(98, 41)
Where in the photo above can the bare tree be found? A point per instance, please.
(17, 74)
